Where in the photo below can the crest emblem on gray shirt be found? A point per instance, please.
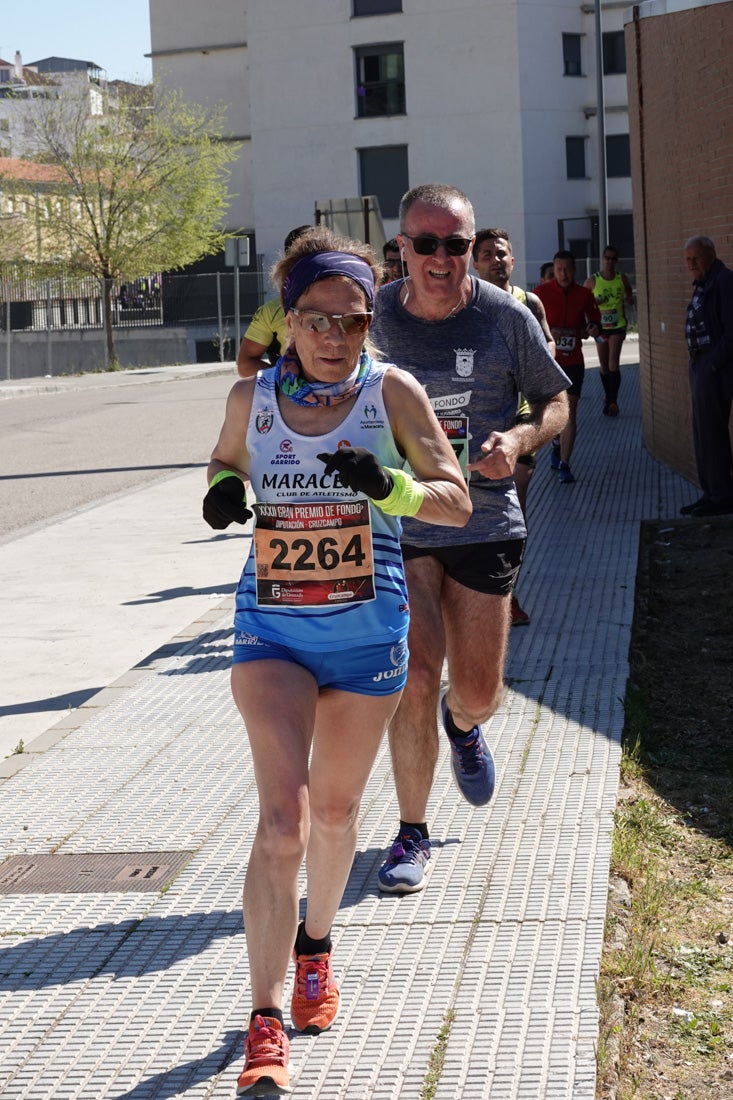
(464, 361)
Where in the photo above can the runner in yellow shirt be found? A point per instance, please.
(266, 333)
(612, 291)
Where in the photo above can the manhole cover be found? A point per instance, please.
(90, 873)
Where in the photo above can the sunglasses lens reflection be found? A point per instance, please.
(427, 246)
(349, 323)
(355, 322)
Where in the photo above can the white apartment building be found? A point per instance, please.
(22, 87)
(336, 98)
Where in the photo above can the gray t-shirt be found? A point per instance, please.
(472, 366)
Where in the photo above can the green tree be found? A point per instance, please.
(145, 184)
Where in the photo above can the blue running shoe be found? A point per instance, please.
(555, 456)
(403, 872)
(565, 474)
(471, 762)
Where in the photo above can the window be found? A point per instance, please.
(618, 155)
(376, 7)
(383, 172)
(380, 80)
(575, 157)
(571, 55)
(614, 52)
(580, 247)
(621, 232)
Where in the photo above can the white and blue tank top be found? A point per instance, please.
(325, 567)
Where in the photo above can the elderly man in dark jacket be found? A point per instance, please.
(709, 333)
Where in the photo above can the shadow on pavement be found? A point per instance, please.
(126, 949)
(68, 701)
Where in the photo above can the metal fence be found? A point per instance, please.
(215, 300)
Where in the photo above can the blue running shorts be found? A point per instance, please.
(364, 670)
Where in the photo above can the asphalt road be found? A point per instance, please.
(74, 448)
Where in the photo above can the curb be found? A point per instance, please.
(127, 376)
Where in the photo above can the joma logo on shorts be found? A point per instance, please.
(389, 674)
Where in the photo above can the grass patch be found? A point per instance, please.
(666, 983)
(437, 1058)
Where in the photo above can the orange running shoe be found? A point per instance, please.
(266, 1058)
(316, 996)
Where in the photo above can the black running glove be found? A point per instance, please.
(225, 501)
(360, 471)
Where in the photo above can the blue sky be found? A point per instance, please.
(114, 36)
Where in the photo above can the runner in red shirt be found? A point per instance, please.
(572, 314)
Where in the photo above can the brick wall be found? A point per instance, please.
(680, 80)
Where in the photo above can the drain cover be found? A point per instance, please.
(90, 873)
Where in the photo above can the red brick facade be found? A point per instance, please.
(680, 79)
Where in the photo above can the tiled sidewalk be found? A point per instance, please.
(483, 986)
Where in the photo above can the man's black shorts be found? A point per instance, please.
(576, 374)
(490, 567)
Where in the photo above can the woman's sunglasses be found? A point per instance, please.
(312, 320)
(425, 245)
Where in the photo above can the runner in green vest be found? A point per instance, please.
(612, 291)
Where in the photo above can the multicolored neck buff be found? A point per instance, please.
(322, 265)
(290, 381)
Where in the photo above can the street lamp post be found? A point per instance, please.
(601, 118)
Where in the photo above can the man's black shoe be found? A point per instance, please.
(707, 508)
(688, 509)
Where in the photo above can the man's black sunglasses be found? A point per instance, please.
(426, 245)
